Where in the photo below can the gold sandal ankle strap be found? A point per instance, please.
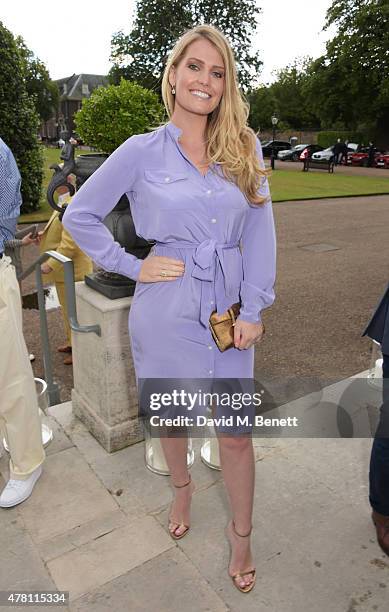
(184, 485)
(238, 534)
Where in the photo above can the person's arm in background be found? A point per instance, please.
(259, 256)
(10, 198)
(83, 218)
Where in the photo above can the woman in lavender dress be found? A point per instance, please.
(198, 187)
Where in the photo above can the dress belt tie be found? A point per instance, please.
(205, 257)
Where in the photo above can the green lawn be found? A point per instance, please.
(285, 185)
(288, 185)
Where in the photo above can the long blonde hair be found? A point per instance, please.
(231, 143)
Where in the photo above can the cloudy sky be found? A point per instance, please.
(287, 30)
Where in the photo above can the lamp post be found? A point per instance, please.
(274, 121)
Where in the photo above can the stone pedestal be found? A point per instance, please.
(105, 396)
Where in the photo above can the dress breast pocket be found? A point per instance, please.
(168, 190)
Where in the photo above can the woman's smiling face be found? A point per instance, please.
(199, 78)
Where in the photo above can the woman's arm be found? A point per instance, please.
(84, 216)
(259, 256)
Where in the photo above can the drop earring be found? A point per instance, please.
(173, 90)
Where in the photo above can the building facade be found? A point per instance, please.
(72, 90)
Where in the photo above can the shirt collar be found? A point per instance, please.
(174, 131)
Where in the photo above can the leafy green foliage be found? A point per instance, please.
(38, 83)
(262, 106)
(346, 90)
(19, 120)
(291, 102)
(286, 98)
(350, 83)
(114, 113)
(141, 55)
(328, 138)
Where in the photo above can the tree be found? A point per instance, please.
(262, 106)
(114, 113)
(350, 83)
(286, 98)
(38, 83)
(288, 92)
(19, 120)
(141, 55)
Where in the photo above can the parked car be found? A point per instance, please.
(279, 145)
(361, 158)
(292, 154)
(328, 154)
(309, 149)
(323, 156)
(382, 161)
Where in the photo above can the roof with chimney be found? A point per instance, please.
(80, 86)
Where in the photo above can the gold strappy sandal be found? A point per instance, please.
(171, 520)
(234, 577)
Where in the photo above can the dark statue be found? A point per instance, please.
(119, 221)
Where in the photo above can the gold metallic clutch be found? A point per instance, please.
(221, 326)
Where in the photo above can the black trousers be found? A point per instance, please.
(379, 460)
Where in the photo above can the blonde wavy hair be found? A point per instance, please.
(231, 143)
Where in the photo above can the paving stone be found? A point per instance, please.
(125, 471)
(60, 440)
(95, 563)
(341, 465)
(21, 566)
(50, 549)
(62, 413)
(67, 495)
(166, 583)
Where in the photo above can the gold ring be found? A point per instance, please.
(163, 273)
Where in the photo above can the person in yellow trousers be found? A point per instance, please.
(54, 237)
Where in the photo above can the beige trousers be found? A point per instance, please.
(19, 416)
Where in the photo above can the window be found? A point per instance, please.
(85, 89)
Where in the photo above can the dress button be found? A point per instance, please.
(210, 371)
(210, 347)
(213, 220)
(167, 179)
(212, 302)
(209, 191)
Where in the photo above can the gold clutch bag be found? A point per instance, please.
(221, 326)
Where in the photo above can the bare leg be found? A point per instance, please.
(238, 468)
(175, 450)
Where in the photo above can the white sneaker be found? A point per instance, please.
(16, 491)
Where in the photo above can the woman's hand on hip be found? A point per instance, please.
(158, 268)
(246, 334)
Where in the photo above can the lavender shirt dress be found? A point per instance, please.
(228, 247)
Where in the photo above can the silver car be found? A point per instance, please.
(328, 154)
(322, 156)
(292, 154)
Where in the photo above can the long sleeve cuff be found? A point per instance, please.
(129, 265)
(253, 301)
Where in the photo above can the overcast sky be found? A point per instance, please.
(287, 29)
